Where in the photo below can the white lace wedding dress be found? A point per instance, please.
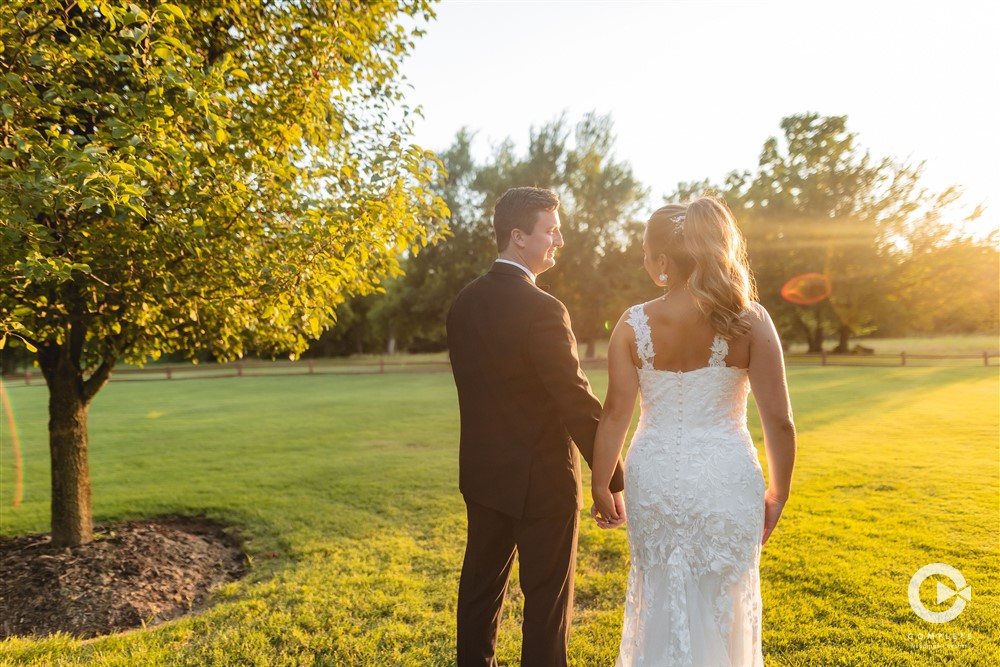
(694, 495)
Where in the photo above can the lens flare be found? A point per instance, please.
(19, 483)
(806, 289)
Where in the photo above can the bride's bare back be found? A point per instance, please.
(682, 336)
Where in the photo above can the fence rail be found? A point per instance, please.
(901, 359)
(366, 366)
(382, 365)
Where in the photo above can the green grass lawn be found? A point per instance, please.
(346, 490)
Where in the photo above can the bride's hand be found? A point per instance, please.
(772, 512)
(603, 509)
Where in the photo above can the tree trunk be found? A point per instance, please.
(814, 334)
(816, 339)
(69, 395)
(72, 523)
(843, 347)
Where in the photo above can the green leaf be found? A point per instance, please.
(314, 327)
(174, 9)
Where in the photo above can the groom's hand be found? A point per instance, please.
(608, 509)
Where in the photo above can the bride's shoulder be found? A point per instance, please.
(755, 312)
(759, 319)
(641, 313)
(633, 318)
(634, 312)
(641, 306)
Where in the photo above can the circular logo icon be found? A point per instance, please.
(962, 593)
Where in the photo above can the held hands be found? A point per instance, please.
(608, 509)
(772, 512)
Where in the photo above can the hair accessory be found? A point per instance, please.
(678, 221)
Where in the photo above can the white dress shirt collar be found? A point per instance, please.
(520, 266)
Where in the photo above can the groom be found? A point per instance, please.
(524, 401)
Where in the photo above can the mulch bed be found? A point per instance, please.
(134, 573)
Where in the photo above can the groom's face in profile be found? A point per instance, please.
(539, 247)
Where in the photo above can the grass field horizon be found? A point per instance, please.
(345, 488)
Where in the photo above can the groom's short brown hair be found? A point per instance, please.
(518, 209)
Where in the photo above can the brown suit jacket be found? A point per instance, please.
(523, 399)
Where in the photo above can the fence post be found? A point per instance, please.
(381, 366)
(986, 358)
(311, 369)
(822, 354)
(239, 368)
(27, 376)
(902, 358)
(170, 374)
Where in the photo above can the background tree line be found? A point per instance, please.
(897, 262)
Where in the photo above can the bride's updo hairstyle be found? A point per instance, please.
(709, 252)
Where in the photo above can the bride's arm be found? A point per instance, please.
(770, 392)
(619, 405)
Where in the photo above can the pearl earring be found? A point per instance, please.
(662, 277)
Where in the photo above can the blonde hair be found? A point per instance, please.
(705, 244)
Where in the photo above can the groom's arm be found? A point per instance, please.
(553, 352)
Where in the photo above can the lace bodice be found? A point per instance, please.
(694, 498)
(639, 321)
(712, 398)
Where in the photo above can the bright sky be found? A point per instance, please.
(696, 87)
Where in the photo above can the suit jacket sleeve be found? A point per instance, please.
(553, 352)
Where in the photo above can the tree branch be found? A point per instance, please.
(97, 379)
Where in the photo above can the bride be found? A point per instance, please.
(698, 512)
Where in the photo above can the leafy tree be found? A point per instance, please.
(598, 267)
(943, 282)
(353, 333)
(413, 311)
(602, 196)
(601, 263)
(194, 176)
(817, 203)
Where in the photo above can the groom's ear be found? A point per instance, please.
(517, 237)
